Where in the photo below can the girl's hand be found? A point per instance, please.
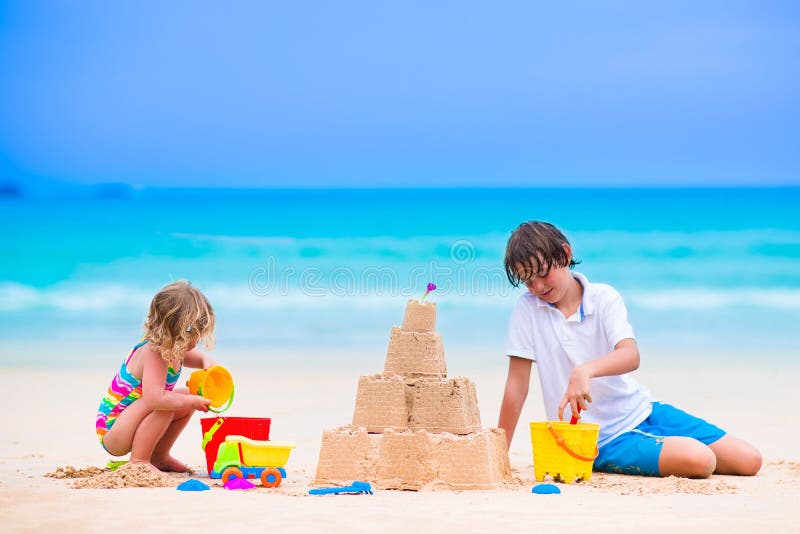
(200, 403)
(577, 393)
(208, 362)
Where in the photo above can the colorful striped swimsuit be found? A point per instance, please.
(123, 391)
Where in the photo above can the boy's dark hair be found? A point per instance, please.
(537, 246)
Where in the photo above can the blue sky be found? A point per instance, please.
(367, 93)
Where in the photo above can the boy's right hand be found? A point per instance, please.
(577, 395)
(200, 404)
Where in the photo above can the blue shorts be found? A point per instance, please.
(636, 452)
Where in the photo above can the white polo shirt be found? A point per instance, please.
(538, 331)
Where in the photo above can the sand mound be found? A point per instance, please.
(127, 476)
(631, 485)
(788, 471)
(70, 472)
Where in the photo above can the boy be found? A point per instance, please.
(578, 334)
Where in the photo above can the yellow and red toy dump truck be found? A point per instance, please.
(230, 454)
(241, 457)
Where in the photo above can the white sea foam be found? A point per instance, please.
(109, 297)
(344, 249)
(706, 299)
(101, 297)
(622, 242)
(236, 239)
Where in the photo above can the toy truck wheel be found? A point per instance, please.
(271, 477)
(230, 473)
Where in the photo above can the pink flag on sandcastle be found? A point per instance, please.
(431, 287)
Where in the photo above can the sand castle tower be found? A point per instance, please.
(412, 426)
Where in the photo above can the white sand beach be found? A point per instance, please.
(50, 416)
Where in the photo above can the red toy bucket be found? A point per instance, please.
(216, 429)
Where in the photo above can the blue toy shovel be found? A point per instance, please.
(356, 488)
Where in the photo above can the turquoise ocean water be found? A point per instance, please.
(700, 269)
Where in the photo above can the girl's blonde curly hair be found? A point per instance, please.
(180, 316)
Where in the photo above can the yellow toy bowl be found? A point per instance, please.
(565, 452)
(263, 453)
(215, 384)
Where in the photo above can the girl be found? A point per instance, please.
(143, 412)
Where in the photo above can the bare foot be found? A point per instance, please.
(170, 465)
(153, 468)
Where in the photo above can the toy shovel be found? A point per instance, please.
(575, 418)
(356, 488)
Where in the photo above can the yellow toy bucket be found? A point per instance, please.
(215, 384)
(564, 451)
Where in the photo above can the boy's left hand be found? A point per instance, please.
(577, 393)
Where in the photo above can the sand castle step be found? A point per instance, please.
(419, 316)
(415, 354)
(389, 401)
(414, 460)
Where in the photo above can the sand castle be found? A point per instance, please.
(413, 427)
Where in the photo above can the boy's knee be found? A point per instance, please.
(750, 462)
(701, 463)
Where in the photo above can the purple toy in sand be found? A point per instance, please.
(239, 484)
